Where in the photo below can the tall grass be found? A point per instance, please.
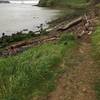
(33, 72)
(96, 55)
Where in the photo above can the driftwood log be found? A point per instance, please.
(70, 24)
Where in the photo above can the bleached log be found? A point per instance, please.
(70, 24)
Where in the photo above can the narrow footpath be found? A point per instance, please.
(80, 71)
(77, 83)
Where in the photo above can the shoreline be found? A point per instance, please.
(54, 24)
(20, 36)
(6, 40)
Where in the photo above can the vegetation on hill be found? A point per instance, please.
(4, 1)
(96, 43)
(63, 3)
(96, 55)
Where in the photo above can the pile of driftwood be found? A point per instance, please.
(82, 27)
(24, 45)
(70, 24)
(82, 23)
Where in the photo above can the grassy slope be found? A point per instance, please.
(96, 55)
(33, 72)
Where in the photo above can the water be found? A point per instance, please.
(16, 17)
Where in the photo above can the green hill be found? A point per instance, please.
(62, 2)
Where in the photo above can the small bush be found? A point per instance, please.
(67, 38)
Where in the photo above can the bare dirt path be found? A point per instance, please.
(77, 83)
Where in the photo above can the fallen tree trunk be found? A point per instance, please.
(72, 23)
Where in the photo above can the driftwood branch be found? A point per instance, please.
(70, 24)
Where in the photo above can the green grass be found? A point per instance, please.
(96, 43)
(96, 55)
(74, 3)
(33, 72)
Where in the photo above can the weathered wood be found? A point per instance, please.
(22, 46)
(70, 24)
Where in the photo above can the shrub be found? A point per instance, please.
(67, 38)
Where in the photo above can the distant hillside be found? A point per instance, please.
(61, 2)
(4, 2)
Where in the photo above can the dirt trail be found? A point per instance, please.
(77, 83)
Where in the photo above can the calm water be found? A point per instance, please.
(16, 17)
